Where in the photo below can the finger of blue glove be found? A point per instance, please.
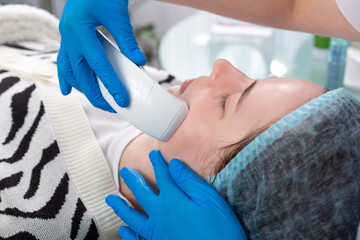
(134, 219)
(89, 85)
(117, 22)
(64, 71)
(189, 182)
(163, 178)
(98, 61)
(126, 41)
(65, 88)
(127, 234)
(143, 193)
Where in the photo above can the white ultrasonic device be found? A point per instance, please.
(151, 109)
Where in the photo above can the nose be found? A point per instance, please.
(225, 76)
(223, 70)
(221, 66)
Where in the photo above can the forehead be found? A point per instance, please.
(292, 90)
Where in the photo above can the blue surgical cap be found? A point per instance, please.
(300, 178)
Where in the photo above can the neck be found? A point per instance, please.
(136, 156)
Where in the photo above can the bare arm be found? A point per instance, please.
(321, 17)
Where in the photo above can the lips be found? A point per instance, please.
(185, 84)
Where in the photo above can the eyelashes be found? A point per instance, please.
(222, 101)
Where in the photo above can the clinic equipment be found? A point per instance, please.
(187, 207)
(152, 109)
(300, 178)
(336, 63)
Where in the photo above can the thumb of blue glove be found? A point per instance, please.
(81, 54)
(186, 208)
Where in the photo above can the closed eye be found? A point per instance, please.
(223, 101)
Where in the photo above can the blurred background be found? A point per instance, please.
(185, 42)
(149, 25)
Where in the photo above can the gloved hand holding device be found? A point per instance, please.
(81, 54)
(186, 208)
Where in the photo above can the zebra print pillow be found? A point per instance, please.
(37, 199)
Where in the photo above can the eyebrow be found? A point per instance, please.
(245, 93)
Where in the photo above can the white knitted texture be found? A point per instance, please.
(23, 22)
(83, 158)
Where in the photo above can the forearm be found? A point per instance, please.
(321, 17)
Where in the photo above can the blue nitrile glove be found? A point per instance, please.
(186, 208)
(81, 53)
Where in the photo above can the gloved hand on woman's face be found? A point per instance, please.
(81, 54)
(186, 208)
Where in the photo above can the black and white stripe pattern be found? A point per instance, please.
(37, 198)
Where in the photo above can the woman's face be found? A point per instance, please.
(217, 118)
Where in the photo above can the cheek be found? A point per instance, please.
(190, 143)
(185, 140)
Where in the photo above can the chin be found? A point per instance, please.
(174, 90)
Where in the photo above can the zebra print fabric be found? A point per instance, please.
(37, 198)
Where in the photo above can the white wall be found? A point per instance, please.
(162, 15)
(57, 7)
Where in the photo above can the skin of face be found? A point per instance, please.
(212, 123)
(210, 126)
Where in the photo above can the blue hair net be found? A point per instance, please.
(300, 178)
